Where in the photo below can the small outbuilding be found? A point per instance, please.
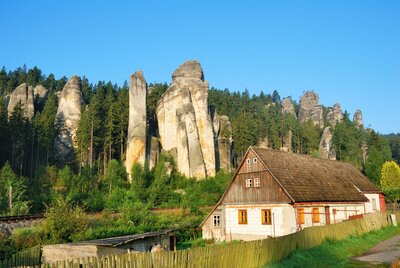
(162, 240)
(275, 193)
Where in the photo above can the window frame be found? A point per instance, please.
(256, 182)
(374, 205)
(255, 160)
(315, 215)
(216, 219)
(242, 216)
(265, 218)
(249, 183)
(300, 216)
(248, 161)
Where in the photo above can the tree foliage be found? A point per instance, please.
(390, 176)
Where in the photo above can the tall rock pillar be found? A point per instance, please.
(184, 122)
(67, 119)
(136, 142)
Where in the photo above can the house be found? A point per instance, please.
(275, 193)
(114, 245)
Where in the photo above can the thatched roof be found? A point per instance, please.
(310, 179)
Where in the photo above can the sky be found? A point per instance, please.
(347, 51)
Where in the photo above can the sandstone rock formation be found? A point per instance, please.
(263, 143)
(154, 152)
(287, 107)
(287, 142)
(335, 115)
(358, 119)
(310, 109)
(67, 119)
(136, 142)
(41, 91)
(184, 122)
(222, 129)
(24, 95)
(326, 149)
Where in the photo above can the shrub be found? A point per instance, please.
(64, 222)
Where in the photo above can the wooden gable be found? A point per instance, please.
(253, 168)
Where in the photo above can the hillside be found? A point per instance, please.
(79, 139)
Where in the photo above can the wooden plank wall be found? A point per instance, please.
(269, 191)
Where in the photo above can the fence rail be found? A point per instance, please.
(241, 254)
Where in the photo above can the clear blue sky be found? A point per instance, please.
(347, 51)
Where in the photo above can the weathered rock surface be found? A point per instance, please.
(326, 149)
(136, 142)
(335, 115)
(67, 119)
(287, 107)
(184, 122)
(41, 91)
(24, 95)
(263, 143)
(222, 128)
(287, 142)
(154, 152)
(310, 109)
(358, 119)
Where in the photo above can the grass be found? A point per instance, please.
(334, 253)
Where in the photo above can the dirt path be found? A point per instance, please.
(387, 251)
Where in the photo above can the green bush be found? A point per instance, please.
(64, 222)
(28, 237)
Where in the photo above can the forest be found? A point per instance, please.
(32, 181)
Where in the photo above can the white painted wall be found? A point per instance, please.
(369, 205)
(283, 222)
(284, 219)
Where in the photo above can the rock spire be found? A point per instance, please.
(136, 142)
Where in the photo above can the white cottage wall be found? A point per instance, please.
(283, 222)
(373, 203)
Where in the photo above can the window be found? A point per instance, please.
(217, 220)
(373, 203)
(242, 216)
(249, 183)
(300, 215)
(266, 216)
(248, 161)
(315, 215)
(256, 182)
(254, 160)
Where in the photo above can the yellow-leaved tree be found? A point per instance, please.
(390, 176)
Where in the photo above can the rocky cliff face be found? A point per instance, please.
(287, 107)
(310, 109)
(136, 142)
(24, 95)
(358, 119)
(326, 149)
(41, 91)
(184, 122)
(222, 129)
(67, 118)
(335, 115)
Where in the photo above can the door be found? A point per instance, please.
(382, 203)
(327, 216)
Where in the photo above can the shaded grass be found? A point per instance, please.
(333, 253)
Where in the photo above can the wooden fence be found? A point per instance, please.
(242, 254)
(27, 258)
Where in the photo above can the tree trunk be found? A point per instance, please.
(91, 146)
